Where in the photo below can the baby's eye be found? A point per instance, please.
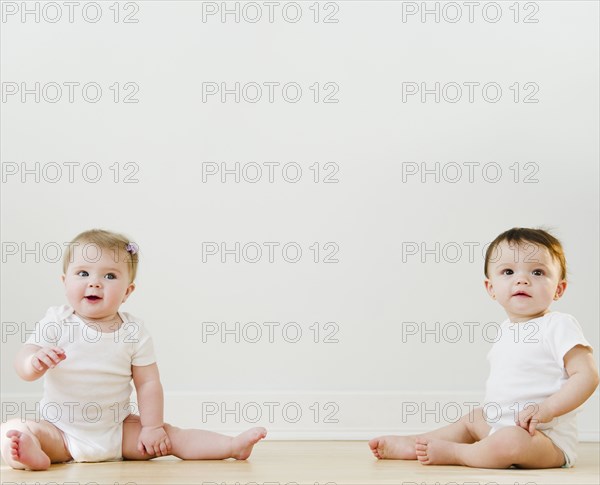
(82, 273)
(111, 276)
(538, 272)
(507, 271)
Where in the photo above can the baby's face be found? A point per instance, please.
(97, 282)
(525, 279)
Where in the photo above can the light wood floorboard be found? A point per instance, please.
(306, 462)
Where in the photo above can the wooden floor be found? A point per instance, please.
(305, 462)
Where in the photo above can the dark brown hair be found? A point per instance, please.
(535, 236)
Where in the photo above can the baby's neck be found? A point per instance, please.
(524, 319)
(105, 325)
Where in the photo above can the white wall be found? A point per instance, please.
(376, 208)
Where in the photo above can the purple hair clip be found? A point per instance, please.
(132, 248)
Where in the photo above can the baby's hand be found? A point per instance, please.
(532, 415)
(47, 358)
(154, 441)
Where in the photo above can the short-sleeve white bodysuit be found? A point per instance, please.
(527, 366)
(87, 395)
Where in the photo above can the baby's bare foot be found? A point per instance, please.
(243, 443)
(24, 450)
(436, 452)
(393, 447)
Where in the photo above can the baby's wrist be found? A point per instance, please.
(549, 409)
(152, 426)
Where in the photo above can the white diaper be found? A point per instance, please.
(88, 447)
(566, 442)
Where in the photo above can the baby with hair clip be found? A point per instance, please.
(89, 352)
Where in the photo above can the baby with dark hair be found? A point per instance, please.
(542, 370)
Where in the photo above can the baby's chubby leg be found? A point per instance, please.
(468, 429)
(32, 445)
(193, 444)
(506, 447)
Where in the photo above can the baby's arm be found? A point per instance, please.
(153, 437)
(582, 382)
(33, 361)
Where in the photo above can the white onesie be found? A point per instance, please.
(87, 395)
(527, 366)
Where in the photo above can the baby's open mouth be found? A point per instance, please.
(92, 297)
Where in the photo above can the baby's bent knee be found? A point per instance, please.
(512, 441)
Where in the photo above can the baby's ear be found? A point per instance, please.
(62, 278)
(489, 288)
(128, 292)
(560, 290)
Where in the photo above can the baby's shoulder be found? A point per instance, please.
(58, 313)
(130, 318)
(559, 318)
(558, 325)
(131, 321)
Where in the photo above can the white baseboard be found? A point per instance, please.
(317, 415)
